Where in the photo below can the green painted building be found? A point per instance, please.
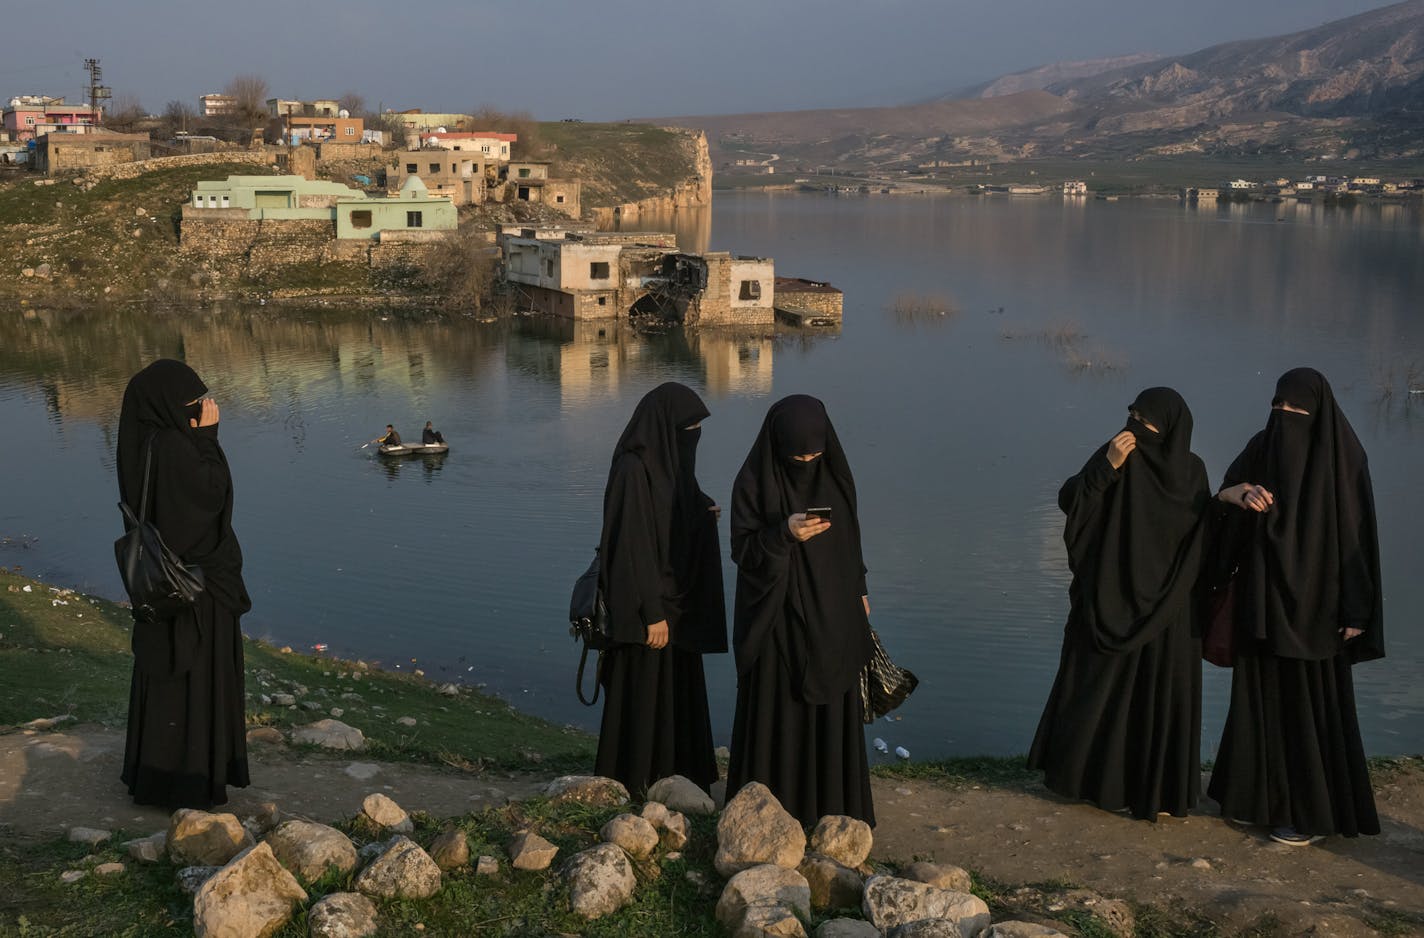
(413, 210)
(357, 215)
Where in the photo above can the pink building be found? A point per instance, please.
(30, 117)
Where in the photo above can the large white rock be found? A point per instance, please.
(847, 928)
(529, 851)
(1022, 930)
(309, 849)
(833, 886)
(89, 836)
(890, 902)
(755, 829)
(251, 897)
(846, 840)
(681, 794)
(402, 871)
(769, 921)
(676, 831)
(197, 838)
(767, 884)
(330, 734)
(939, 875)
(600, 881)
(383, 812)
(588, 789)
(637, 837)
(342, 915)
(451, 850)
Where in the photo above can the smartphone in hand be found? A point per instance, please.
(820, 514)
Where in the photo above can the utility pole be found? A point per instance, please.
(97, 91)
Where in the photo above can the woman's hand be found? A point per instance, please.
(658, 635)
(1120, 447)
(716, 511)
(1351, 633)
(207, 416)
(803, 528)
(1247, 496)
(865, 601)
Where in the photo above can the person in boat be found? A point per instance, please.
(392, 438)
(1307, 608)
(802, 630)
(187, 738)
(661, 572)
(430, 435)
(1122, 725)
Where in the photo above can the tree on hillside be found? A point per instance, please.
(178, 116)
(352, 103)
(249, 94)
(124, 114)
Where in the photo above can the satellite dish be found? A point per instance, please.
(343, 113)
(440, 130)
(432, 139)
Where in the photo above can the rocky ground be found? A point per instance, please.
(1029, 849)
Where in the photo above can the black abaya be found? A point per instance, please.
(660, 561)
(802, 635)
(1291, 754)
(186, 738)
(1122, 725)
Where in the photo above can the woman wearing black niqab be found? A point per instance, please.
(661, 572)
(802, 633)
(1308, 606)
(186, 728)
(1122, 726)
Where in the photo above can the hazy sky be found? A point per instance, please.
(605, 59)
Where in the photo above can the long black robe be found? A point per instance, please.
(660, 560)
(1122, 725)
(186, 738)
(801, 634)
(1291, 754)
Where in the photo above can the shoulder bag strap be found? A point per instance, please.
(597, 676)
(147, 467)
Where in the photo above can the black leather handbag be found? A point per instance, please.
(884, 685)
(588, 623)
(160, 585)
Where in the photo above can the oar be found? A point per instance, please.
(364, 445)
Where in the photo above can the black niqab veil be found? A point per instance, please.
(654, 511)
(190, 493)
(1312, 565)
(810, 607)
(1135, 550)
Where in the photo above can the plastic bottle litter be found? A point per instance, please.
(902, 752)
(319, 646)
(879, 745)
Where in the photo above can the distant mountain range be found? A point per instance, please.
(1350, 88)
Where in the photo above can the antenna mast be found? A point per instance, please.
(97, 90)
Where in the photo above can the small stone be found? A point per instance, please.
(600, 881)
(769, 921)
(402, 871)
(938, 875)
(266, 817)
(383, 812)
(191, 878)
(197, 838)
(655, 813)
(283, 700)
(140, 211)
(529, 851)
(681, 794)
(833, 885)
(406, 721)
(335, 712)
(108, 869)
(676, 832)
(637, 837)
(89, 836)
(252, 895)
(931, 928)
(267, 735)
(766, 884)
(1201, 863)
(148, 849)
(486, 866)
(310, 850)
(313, 706)
(342, 915)
(451, 850)
(330, 734)
(755, 829)
(361, 771)
(72, 876)
(368, 852)
(449, 690)
(587, 789)
(846, 840)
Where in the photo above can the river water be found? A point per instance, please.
(960, 427)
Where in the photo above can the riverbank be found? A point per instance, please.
(452, 755)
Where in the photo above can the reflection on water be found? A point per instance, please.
(959, 437)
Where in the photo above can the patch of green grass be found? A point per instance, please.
(963, 772)
(620, 162)
(73, 659)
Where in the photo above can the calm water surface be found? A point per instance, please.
(960, 429)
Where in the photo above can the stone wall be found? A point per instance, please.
(136, 169)
(827, 301)
(229, 239)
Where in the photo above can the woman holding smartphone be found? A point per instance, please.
(1122, 726)
(802, 630)
(187, 735)
(1308, 608)
(661, 572)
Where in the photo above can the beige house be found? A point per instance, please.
(64, 152)
(463, 176)
(529, 181)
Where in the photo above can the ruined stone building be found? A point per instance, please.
(64, 152)
(462, 177)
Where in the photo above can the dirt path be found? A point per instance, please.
(1234, 876)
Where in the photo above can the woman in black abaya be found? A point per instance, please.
(1122, 726)
(1308, 606)
(802, 632)
(186, 731)
(661, 572)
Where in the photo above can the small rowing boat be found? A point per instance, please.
(414, 449)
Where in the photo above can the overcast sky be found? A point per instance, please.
(605, 59)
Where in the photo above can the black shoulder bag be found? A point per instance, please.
(160, 585)
(588, 623)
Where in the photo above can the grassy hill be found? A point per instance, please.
(621, 162)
